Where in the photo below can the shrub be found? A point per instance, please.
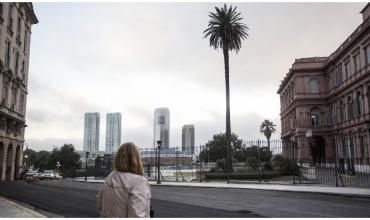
(285, 165)
(252, 162)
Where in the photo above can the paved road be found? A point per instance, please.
(74, 199)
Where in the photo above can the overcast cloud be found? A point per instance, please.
(135, 57)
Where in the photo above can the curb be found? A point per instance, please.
(23, 207)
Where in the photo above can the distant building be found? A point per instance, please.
(16, 20)
(162, 127)
(188, 139)
(325, 105)
(91, 133)
(113, 132)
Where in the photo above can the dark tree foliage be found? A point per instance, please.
(42, 162)
(66, 155)
(215, 148)
(31, 157)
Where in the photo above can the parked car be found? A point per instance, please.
(48, 174)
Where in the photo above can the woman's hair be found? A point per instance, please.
(128, 159)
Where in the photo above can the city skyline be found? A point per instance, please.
(180, 71)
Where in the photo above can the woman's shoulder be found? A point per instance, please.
(126, 176)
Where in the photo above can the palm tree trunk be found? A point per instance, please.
(268, 143)
(229, 167)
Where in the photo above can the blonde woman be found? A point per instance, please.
(126, 191)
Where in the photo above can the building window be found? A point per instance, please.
(350, 108)
(367, 54)
(315, 117)
(330, 117)
(348, 69)
(19, 30)
(1, 11)
(359, 104)
(341, 111)
(25, 41)
(314, 85)
(16, 65)
(6, 83)
(7, 54)
(10, 17)
(14, 97)
(362, 147)
(21, 103)
(357, 63)
(338, 75)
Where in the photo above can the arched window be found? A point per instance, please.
(315, 117)
(359, 104)
(314, 85)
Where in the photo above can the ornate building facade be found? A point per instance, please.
(325, 105)
(16, 20)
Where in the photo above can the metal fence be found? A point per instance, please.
(300, 161)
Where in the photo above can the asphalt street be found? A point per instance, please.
(77, 199)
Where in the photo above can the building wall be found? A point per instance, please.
(113, 132)
(336, 110)
(91, 132)
(16, 20)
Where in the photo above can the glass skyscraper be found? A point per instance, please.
(188, 139)
(113, 132)
(91, 132)
(162, 127)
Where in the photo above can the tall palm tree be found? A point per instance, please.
(226, 31)
(267, 128)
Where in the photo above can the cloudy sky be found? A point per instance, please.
(135, 57)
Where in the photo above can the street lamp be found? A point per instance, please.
(87, 156)
(159, 143)
(58, 167)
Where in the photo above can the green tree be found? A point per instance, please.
(267, 128)
(69, 158)
(214, 149)
(42, 161)
(225, 30)
(30, 157)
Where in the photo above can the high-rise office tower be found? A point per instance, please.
(113, 132)
(188, 139)
(91, 133)
(162, 127)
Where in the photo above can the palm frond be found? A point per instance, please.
(226, 29)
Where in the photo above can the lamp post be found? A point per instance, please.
(58, 167)
(159, 143)
(87, 156)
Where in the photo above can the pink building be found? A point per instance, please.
(325, 105)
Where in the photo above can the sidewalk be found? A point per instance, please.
(345, 191)
(10, 209)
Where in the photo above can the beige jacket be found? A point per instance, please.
(124, 195)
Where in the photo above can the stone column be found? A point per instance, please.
(13, 164)
(366, 100)
(4, 163)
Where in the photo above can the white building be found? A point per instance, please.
(162, 127)
(113, 132)
(91, 132)
(16, 19)
(188, 139)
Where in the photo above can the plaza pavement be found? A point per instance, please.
(10, 209)
(344, 191)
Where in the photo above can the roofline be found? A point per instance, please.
(367, 5)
